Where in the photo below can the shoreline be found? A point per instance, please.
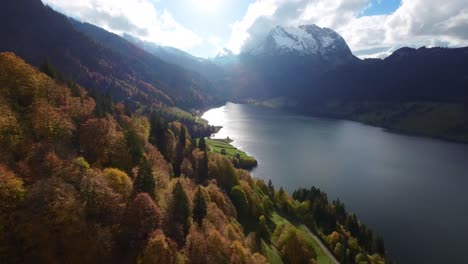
(376, 125)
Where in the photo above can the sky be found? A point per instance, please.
(372, 28)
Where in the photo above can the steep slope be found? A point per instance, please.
(205, 67)
(79, 188)
(309, 63)
(286, 62)
(35, 32)
(439, 74)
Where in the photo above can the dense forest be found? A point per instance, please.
(85, 180)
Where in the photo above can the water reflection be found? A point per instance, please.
(410, 189)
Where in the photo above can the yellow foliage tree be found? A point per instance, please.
(119, 181)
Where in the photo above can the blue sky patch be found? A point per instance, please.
(381, 7)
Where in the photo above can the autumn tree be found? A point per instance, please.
(199, 207)
(160, 249)
(119, 181)
(54, 213)
(178, 214)
(102, 203)
(294, 248)
(142, 216)
(10, 130)
(97, 138)
(145, 181)
(12, 193)
(51, 123)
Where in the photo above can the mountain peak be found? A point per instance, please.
(305, 40)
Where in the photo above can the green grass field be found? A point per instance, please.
(223, 146)
(217, 145)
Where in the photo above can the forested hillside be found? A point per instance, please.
(37, 33)
(82, 182)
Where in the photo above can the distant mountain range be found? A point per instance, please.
(98, 59)
(307, 65)
(206, 67)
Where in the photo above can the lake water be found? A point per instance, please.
(412, 190)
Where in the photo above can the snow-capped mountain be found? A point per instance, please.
(306, 40)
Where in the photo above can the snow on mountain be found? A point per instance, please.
(304, 40)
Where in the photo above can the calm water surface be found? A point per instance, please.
(412, 190)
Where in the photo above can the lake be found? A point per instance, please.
(412, 190)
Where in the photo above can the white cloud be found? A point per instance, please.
(414, 23)
(136, 17)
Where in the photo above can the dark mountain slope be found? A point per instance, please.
(205, 67)
(34, 32)
(287, 62)
(437, 74)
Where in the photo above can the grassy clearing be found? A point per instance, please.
(271, 253)
(240, 158)
(280, 222)
(217, 145)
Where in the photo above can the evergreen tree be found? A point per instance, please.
(135, 145)
(271, 190)
(157, 130)
(202, 144)
(104, 103)
(263, 229)
(203, 168)
(180, 151)
(199, 207)
(179, 214)
(49, 69)
(144, 181)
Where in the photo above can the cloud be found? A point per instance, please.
(414, 23)
(137, 17)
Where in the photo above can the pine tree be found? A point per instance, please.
(135, 145)
(144, 181)
(263, 229)
(199, 207)
(203, 168)
(179, 214)
(202, 144)
(271, 190)
(180, 151)
(157, 130)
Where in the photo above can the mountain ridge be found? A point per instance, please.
(131, 75)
